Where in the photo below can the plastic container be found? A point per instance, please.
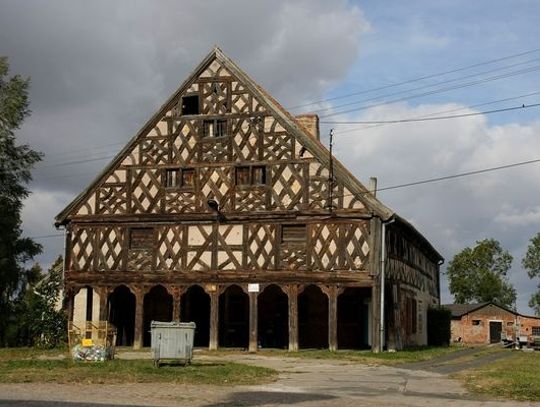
(172, 341)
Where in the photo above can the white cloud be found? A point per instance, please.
(453, 214)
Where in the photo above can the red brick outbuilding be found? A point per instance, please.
(487, 322)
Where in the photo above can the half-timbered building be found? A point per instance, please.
(226, 210)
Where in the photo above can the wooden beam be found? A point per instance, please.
(139, 315)
(214, 319)
(253, 336)
(292, 293)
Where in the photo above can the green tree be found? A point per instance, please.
(531, 263)
(16, 162)
(44, 320)
(480, 274)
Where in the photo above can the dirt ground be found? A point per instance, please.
(301, 382)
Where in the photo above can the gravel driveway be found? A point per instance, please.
(301, 382)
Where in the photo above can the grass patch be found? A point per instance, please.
(31, 353)
(361, 356)
(516, 377)
(131, 371)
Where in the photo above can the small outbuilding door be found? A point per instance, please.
(495, 329)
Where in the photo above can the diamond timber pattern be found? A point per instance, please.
(287, 181)
(324, 242)
(182, 202)
(140, 259)
(110, 241)
(260, 241)
(170, 248)
(251, 199)
(146, 192)
(216, 183)
(215, 97)
(154, 151)
(82, 243)
(245, 139)
(184, 144)
(293, 258)
(112, 199)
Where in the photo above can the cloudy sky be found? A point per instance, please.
(100, 69)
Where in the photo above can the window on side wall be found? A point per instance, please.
(476, 322)
(536, 330)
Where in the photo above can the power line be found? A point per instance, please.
(46, 236)
(423, 119)
(449, 177)
(419, 78)
(432, 92)
(369, 127)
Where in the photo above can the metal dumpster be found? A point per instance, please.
(172, 341)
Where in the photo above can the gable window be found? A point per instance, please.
(215, 128)
(180, 178)
(172, 178)
(294, 233)
(141, 238)
(190, 104)
(188, 178)
(251, 175)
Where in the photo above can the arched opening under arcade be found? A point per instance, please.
(122, 314)
(195, 307)
(233, 318)
(312, 318)
(273, 318)
(353, 318)
(158, 306)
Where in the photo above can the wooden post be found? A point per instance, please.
(139, 315)
(176, 293)
(332, 292)
(375, 317)
(332, 318)
(292, 293)
(253, 337)
(214, 319)
(103, 293)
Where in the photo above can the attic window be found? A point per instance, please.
(215, 128)
(141, 238)
(179, 178)
(251, 175)
(190, 104)
(293, 233)
(476, 322)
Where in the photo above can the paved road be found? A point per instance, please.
(301, 383)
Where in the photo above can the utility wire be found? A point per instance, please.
(428, 93)
(478, 74)
(492, 61)
(424, 119)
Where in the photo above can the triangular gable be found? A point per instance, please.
(133, 171)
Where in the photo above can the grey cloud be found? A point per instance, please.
(100, 69)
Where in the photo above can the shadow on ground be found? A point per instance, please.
(260, 398)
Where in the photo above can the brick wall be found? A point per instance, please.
(473, 328)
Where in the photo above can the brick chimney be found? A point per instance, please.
(311, 122)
